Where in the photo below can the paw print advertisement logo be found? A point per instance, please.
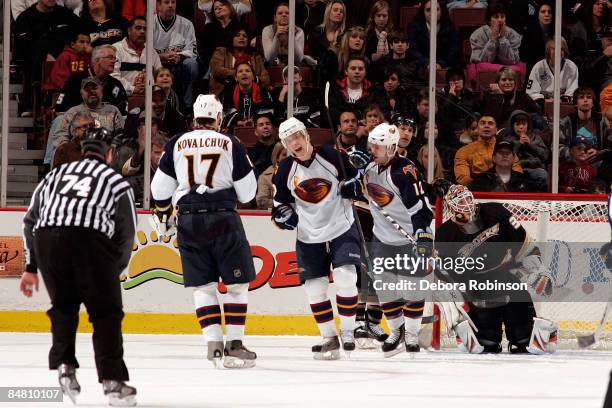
(153, 257)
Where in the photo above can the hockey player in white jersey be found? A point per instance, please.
(312, 195)
(203, 173)
(395, 184)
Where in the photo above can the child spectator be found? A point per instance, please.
(275, 38)
(576, 175)
(378, 28)
(164, 79)
(74, 59)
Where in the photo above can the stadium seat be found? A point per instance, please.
(320, 136)
(407, 16)
(135, 101)
(246, 135)
(468, 17)
(485, 78)
(566, 109)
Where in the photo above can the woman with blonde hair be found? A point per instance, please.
(334, 63)
(504, 96)
(327, 35)
(378, 28)
(423, 159)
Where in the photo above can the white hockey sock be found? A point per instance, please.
(316, 290)
(235, 305)
(345, 278)
(413, 314)
(208, 311)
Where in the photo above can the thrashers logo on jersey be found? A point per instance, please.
(379, 194)
(313, 190)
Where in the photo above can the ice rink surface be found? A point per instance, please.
(171, 371)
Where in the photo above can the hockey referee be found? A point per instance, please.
(78, 232)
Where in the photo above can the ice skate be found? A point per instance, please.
(119, 393)
(68, 382)
(363, 340)
(392, 344)
(215, 352)
(376, 331)
(238, 356)
(328, 349)
(412, 343)
(348, 341)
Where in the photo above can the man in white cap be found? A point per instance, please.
(313, 185)
(204, 173)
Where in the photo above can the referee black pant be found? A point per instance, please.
(80, 265)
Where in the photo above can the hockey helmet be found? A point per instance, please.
(97, 140)
(290, 127)
(384, 135)
(208, 106)
(460, 202)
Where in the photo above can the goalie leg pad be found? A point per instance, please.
(543, 336)
(466, 339)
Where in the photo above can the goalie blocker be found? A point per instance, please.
(480, 328)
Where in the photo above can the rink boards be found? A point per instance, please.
(156, 302)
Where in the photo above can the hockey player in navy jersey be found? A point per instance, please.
(313, 195)
(204, 173)
(394, 183)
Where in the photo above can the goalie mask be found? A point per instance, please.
(461, 204)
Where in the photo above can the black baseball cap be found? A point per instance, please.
(503, 144)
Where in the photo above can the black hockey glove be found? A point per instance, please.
(440, 187)
(351, 189)
(424, 241)
(285, 217)
(359, 159)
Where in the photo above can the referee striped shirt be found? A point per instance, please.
(84, 194)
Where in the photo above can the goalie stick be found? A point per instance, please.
(590, 339)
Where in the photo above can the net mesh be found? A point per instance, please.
(561, 222)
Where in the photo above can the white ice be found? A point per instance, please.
(171, 371)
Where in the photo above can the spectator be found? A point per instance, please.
(102, 23)
(528, 145)
(495, 44)
(586, 124)
(408, 132)
(224, 60)
(411, 72)
(74, 59)
(175, 41)
(19, 6)
(423, 162)
(447, 54)
(306, 105)
(218, 32)
(598, 69)
(501, 177)
(328, 34)
(476, 157)
(133, 8)
(265, 187)
(372, 117)
(309, 15)
(540, 86)
(70, 150)
(353, 92)
(585, 41)
(170, 121)
(379, 26)
(334, 62)
(577, 174)
(391, 97)
(453, 4)
(261, 153)
(347, 138)
(241, 7)
(458, 104)
(132, 57)
(134, 131)
(102, 65)
(104, 115)
(164, 79)
(275, 38)
(504, 97)
(422, 109)
(245, 100)
(539, 31)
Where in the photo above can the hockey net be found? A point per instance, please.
(562, 219)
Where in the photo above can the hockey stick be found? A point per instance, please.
(590, 339)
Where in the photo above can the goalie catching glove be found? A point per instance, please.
(163, 220)
(285, 217)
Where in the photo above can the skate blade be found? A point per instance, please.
(115, 401)
(328, 355)
(234, 362)
(366, 344)
(72, 394)
(392, 353)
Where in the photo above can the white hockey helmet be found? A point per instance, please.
(290, 127)
(208, 106)
(384, 135)
(460, 202)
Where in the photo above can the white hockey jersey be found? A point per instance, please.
(398, 189)
(542, 77)
(178, 36)
(203, 157)
(312, 188)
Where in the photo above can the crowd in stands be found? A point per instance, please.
(84, 60)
